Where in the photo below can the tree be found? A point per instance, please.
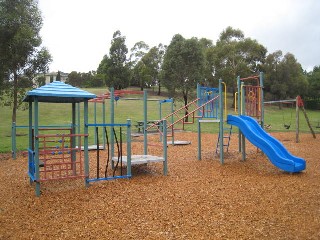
(284, 77)
(153, 61)
(292, 74)
(74, 79)
(183, 66)
(314, 82)
(208, 51)
(137, 52)
(115, 67)
(138, 67)
(89, 79)
(102, 68)
(236, 55)
(274, 88)
(149, 66)
(20, 52)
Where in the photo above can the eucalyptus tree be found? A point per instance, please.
(293, 75)
(235, 55)
(183, 66)
(284, 76)
(314, 82)
(21, 54)
(137, 66)
(137, 52)
(208, 50)
(153, 62)
(115, 67)
(75, 79)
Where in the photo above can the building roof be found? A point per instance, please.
(58, 92)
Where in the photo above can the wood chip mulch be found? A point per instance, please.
(249, 199)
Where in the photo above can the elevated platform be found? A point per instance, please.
(209, 120)
(140, 159)
(92, 147)
(178, 142)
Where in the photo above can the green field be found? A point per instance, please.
(60, 114)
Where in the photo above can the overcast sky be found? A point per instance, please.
(78, 33)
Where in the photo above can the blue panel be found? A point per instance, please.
(273, 148)
(207, 94)
(31, 165)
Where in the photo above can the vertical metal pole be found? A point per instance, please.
(112, 122)
(243, 139)
(30, 126)
(160, 116)
(95, 121)
(30, 135)
(73, 139)
(13, 140)
(36, 145)
(297, 119)
(78, 124)
(160, 109)
(172, 138)
(261, 98)
(165, 154)
(129, 147)
(199, 123)
(239, 109)
(199, 97)
(86, 142)
(145, 117)
(199, 139)
(104, 121)
(221, 121)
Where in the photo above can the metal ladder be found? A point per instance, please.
(226, 135)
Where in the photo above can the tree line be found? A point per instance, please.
(178, 66)
(185, 62)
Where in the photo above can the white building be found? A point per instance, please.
(52, 76)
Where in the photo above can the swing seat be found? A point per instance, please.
(267, 126)
(287, 126)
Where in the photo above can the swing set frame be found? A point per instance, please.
(299, 106)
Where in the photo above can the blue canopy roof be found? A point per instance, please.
(58, 92)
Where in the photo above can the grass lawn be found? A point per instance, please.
(60, 114)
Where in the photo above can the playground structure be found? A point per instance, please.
(251, 122)
(42, 164)
(209, 107)
(48, 161)
(130, 159)
(206, 108)
(63, 152)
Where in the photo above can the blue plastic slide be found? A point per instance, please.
(273, 148)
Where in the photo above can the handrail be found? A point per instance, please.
(203, 105)
(171, 114)
(156, 124)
